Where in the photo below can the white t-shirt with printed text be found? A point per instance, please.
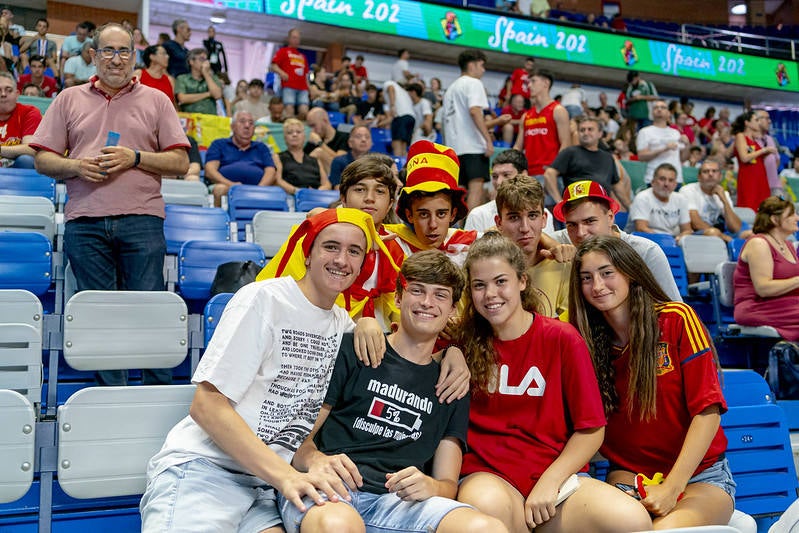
(272, 355)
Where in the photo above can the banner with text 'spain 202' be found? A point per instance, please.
(497, 32)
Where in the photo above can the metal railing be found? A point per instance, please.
(738, 41)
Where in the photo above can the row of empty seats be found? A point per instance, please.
(96, 443)
(31, 232)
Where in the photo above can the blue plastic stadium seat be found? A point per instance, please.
(678, 268)
(212, 314)
(662, 239)
(743, 387)
(734, 247)
(246, 200)
(198, 261)
(381, 140)
(25, 262)
(187, 222)
(761, 460)
(307, 199)
(25, 182)
(621, 219)
(336, 118)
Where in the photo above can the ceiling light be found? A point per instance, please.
(218, 17)
(739, 9)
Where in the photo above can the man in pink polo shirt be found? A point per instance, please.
(120, 137)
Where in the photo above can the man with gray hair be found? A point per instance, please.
(197, 91)
(237, 159)
(114, 231)
(176, 48)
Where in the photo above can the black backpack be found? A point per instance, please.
(232, 276)
(782, 373)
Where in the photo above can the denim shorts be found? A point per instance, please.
(718, 474)
(199, 495)
(294, 96)
(382, 512)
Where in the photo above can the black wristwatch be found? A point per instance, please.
(137, 160)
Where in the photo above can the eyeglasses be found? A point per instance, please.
(109, 53)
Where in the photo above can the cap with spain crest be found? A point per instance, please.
(583, 189)
(432, 168)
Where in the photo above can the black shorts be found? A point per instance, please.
(402, 128)
(473, 166)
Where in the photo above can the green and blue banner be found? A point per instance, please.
(502, 33)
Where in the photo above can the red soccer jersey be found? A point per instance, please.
(515, 115)
(292, 62)
(541, 141)
(685, 130)
(360, 72)
(23, 121)
(547, 390)
(687, 383)
(521, 83)
(48, 86)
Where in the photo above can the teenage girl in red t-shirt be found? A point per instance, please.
(658, 375)
(536, 417)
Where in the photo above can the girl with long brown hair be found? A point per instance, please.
(658, 376)
(536, 417)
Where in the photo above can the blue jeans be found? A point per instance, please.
(199, 495)
(294, 97)
(123, 252)
(381, 513)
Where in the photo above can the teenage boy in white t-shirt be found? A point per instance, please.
(260, 386)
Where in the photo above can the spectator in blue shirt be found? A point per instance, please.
(360, 142)
(238, 160)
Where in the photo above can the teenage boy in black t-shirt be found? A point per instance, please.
(383, 431)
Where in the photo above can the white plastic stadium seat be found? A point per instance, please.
(724, 273)
(106, 435)
(182, 192)
(17, 445)
(109, 330)
(21, 343)
(271, 228)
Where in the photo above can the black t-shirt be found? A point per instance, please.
(340, 141)
(305, 174)
(178, 58)
(364, 108)
(575, 163)
(387, 418)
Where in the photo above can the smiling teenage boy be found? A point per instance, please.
(260, 385)
(431, 202)
(382, 431)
